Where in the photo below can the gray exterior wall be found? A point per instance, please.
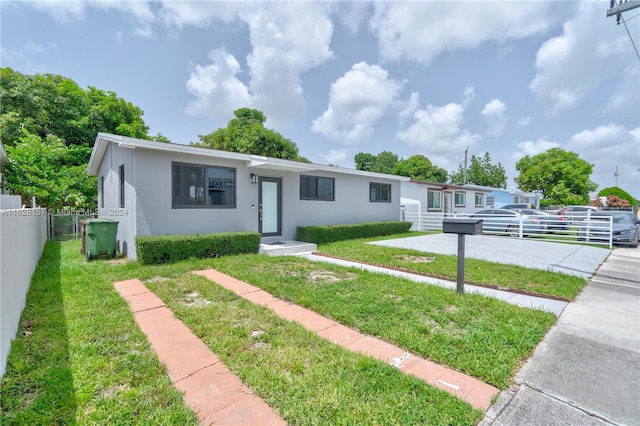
(148, 192)
(109, 170)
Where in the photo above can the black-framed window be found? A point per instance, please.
(459, 198)
(121, 174)
(379, 192)
(317, 188)
(195, 186)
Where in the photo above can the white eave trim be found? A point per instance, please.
(251, 161)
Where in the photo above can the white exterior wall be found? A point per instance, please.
(109, 169)
(148, 209)
(23, 233)
(419, 191)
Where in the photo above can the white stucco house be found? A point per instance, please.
(498, 197)
(155, 188)
(433, 197)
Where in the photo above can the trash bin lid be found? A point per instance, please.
(100, 220)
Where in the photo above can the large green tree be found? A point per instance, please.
(49, 121)
(246, 134)
(561, 176)
(51, 171)
(416, 167)
(482, 172)
(419, 167)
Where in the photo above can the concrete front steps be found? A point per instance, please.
(288, 247)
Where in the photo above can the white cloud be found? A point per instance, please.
(607, 147)
(335, 156)
(524, 122)
(65, 10)
(281, 53)
(494, 113)
(356, 101)
(590, 51)
(532, 148)
(217, 90)
(409, 107)
(437, 132)
(420, 31)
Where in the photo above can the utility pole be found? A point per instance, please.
(616, 174)
(464, 178)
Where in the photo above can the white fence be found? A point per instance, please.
(23, 233)
(580, 230)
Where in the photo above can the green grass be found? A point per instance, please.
(480, 336)
(478, 271)
(79, 357)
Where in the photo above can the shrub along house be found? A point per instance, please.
(155, 188)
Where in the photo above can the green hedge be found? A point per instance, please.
(332, 233)
(171, 248)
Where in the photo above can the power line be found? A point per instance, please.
(630, 38)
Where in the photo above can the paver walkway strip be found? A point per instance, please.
(209, 387)
(470, 389)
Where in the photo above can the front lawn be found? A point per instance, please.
(79, 357)
(441, 265)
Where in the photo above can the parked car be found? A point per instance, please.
(625, 227)
(573, 214)
(508, 222)
(517, 206)
(552, 222)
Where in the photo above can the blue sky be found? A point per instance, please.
(506, 77)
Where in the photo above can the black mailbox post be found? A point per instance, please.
(461, 227)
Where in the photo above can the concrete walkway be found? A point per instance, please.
(586, 371)
(574, 259)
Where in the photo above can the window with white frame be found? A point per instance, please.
(379, 192)
(317, 188)
(479, 199)
(434, 199)
(460, 198)
(195, 186)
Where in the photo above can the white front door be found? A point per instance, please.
(269, 201)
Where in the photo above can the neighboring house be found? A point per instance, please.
(154, 188)
(498, 197)
(441, 197)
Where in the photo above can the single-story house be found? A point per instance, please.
(498, 197)
(155, 188)
(433, 197)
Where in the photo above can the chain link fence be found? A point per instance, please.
(65, 226)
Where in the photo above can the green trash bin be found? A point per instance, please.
(101, 237)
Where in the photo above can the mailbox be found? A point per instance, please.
(462, 226)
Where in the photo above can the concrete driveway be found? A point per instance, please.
(572, 259)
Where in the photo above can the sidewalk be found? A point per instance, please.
(586, 371)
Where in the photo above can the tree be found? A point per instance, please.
(49, 125)
(618, 192)
(481, 172)
(246, 134)
(48, 170)
(561, 176)
(416, 167)
(419, 167)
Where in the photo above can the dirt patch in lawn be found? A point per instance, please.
(414, 259)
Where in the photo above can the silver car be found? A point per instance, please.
(503, 221)
(624, 227)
